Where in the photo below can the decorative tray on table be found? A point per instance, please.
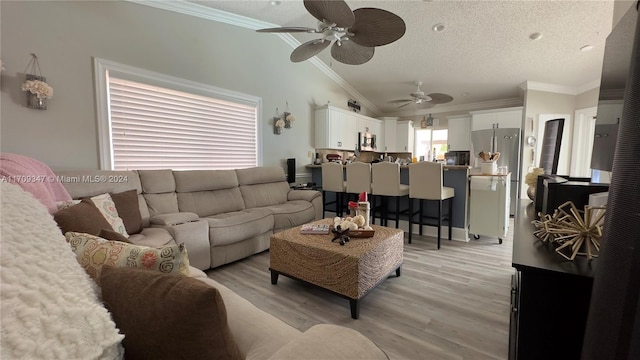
(360, 233)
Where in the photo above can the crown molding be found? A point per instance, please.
(560, 89)
(484, 105)
(205, 12)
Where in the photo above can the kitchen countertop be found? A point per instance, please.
(481, 174)
(451, 167)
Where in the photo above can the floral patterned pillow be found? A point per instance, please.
(107, 207)
(93, 252)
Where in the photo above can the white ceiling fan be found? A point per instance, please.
(418, 97)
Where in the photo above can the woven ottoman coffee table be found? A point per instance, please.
(350, 271)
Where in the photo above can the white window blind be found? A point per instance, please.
(157, 128)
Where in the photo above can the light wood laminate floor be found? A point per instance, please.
(451, 303)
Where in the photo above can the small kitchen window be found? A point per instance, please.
(430, 143)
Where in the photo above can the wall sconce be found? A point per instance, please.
(278, 123)
(38, 89)
(288, 118)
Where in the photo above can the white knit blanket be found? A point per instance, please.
(49, 306)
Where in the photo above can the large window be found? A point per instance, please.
(431, 144)
(152, 121)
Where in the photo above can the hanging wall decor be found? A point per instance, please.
(36, 86)
(278, 123)
(288, 118)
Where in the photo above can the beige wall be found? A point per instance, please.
(587, 99)
(542, 102)
(66, 35)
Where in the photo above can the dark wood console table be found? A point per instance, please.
(549, 296)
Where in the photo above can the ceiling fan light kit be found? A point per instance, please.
(354, 34)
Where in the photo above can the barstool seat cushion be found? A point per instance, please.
(447, 192)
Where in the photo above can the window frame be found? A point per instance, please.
(104, 67)
(431, 130)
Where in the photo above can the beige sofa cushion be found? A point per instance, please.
(259, 195)
(291, 213)
(152, 237)
(228, 228)
(263, 186)
(207, 203)
(257, 333)
(201, 180)
(326, 341)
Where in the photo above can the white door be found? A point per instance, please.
(583, 132)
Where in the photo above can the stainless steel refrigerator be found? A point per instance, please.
(507, 142)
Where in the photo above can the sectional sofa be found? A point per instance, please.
(220, 215)
(52, 309)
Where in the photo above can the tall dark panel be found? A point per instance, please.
(291, 170)
(551, 142)
(613, 324)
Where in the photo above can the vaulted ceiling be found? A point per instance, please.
(485, 53)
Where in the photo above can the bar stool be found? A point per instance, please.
(426, 183)
(333, 180)
(358, 178)
(386, 183)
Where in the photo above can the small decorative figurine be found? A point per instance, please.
(340, 235)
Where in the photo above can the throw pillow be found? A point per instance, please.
(50, 308)
(113, 235)
(61, 205)
(93, 252)
(107, 207)
(129, 210)
(83, 217)
(167, 316)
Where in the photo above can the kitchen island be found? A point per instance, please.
(455, 176)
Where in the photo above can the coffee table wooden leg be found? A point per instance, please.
(355, 308)
(274, 277)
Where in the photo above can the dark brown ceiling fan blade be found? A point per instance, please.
(332, 11)
(308, 50)
(437, 98)
(348, 52)
(288, 30)
(376, 27)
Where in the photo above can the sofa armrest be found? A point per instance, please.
(195, 237)
(325, 341)
(307, 195)
(173, 218)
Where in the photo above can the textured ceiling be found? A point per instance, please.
(485, 50)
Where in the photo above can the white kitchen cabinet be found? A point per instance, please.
(335, 129)
(459, 132)
(501, 118)
(405, 136)
(390, 130)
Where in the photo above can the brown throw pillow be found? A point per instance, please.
(84, 217)
(167, 316)
(129, 210)
(113, 235)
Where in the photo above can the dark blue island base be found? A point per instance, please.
(456, 177)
